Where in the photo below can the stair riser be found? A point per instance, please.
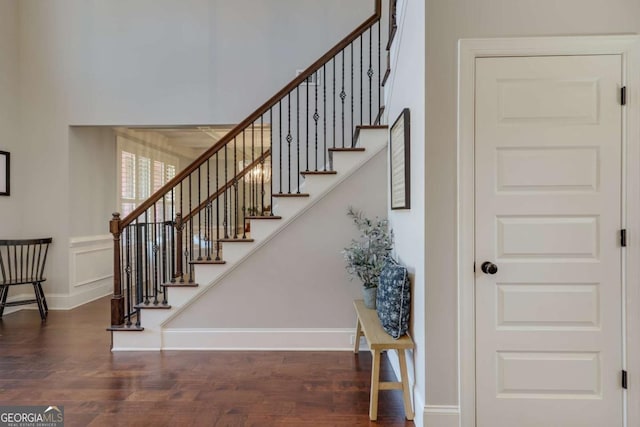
(290, 206)
(147, 340)
(261, 229)
(318, 184)
(179, 296)
(235, 251)
(207, 273)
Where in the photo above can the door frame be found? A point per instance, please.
(628, 46)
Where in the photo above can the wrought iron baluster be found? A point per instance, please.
(128, 269)
(280, 139)
(271, 146)
(140, 244)
(199, 217)
(316, 117)
(298, 136)
(361, 82)
(172, 249)
(218, 206)
(189, 239)
(179, 237)
(324, 118)
(225, 220)
(165, 265)
(208, 218)
(262, 210)
(307, 125)
(244, 189)
(352, 105)
(333, 109)
(370, 73)
(379, 74)
(253, 203)
(289, 139)
(235, 188)
(154, 254)
(343, 96)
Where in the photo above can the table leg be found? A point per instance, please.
(356, 343)
(375, 385)
(406, 396)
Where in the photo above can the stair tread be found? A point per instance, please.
(239, 239)
(372, 126)
(131, 328)
(180, 285)
(264, 217)
(318, 173)
(346, 149)
(356, 134)
(208, 261)
(153, 306)
(290, 195)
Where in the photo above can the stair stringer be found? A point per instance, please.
(235, 253)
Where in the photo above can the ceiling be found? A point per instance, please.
(199, 138)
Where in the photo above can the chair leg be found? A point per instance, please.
(43, 316)
(44, 299)
(4, 291)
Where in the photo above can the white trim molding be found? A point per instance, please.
(263, 339)
(441, 416)
(90, 271)
(628, 47)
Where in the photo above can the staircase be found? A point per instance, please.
(248, 187)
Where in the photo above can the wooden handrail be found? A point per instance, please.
(226, 186)
(301, 78)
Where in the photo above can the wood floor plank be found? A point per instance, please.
(66, 361)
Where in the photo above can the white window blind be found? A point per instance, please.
(143, 170)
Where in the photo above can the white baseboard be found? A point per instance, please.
(16, 297)
(441, 416)
(258, 339)
(418, 408)
(71, 301)
(61, 301)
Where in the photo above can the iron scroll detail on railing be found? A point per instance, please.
(236, 179)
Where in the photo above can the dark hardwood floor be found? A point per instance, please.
(67, 362)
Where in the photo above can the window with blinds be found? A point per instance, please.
(143, 171)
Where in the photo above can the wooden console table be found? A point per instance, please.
(369, 325)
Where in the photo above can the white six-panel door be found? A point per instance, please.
(548, 213)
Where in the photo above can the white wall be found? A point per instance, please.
(193, 61)
(10, 218)
(405, 89)
(44, 140)
(92, 180)
(446, 23)
(139, 62)
(297, 280)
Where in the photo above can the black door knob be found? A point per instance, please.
(489, 268)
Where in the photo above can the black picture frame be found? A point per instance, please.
(5, 175)
(400, 161)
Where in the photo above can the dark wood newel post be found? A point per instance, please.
(179, 227)
(117, 301)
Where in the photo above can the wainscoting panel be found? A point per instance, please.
(90, 271)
